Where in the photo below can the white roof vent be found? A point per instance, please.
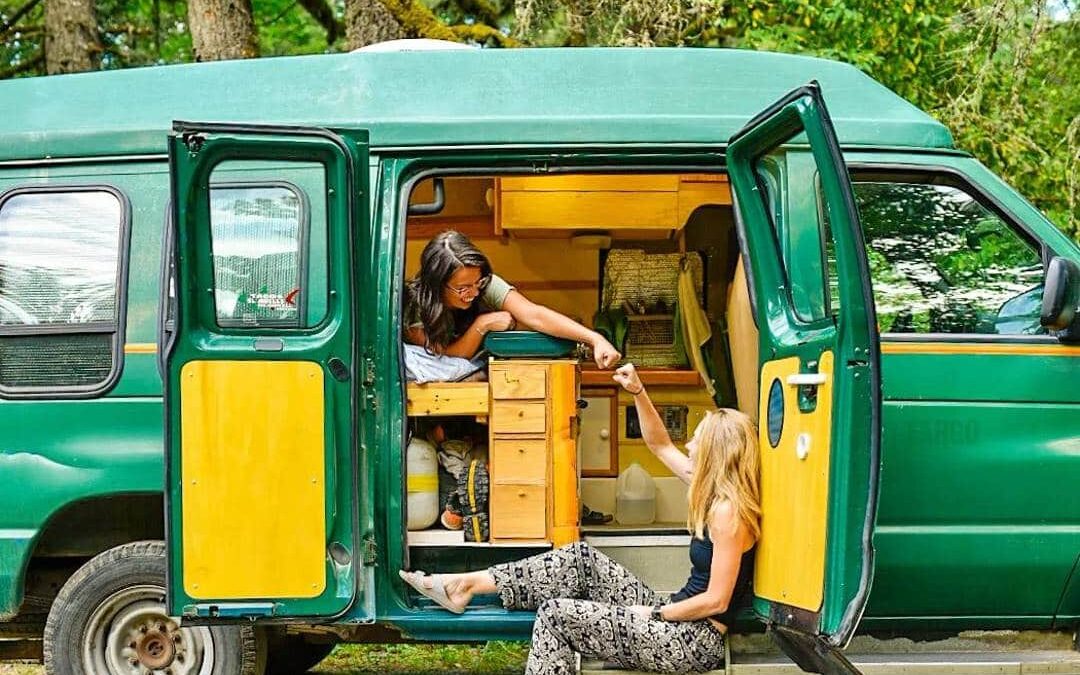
(413, 45)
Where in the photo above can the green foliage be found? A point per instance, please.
(1018, 108)
(286, 29)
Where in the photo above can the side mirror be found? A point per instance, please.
(1061, 299)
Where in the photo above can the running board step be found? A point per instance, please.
(1058, 662)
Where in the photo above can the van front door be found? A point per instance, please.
(265, 513)
(819, 379)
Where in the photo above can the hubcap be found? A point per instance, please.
(130, 634)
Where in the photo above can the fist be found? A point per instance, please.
(498, 321)
(605, 355)
(628, 379)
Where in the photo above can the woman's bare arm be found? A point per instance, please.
(546, 320)
(469, 343)
(653, 431)
(729, 543)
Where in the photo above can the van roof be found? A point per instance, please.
(454, 98)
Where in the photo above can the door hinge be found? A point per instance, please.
(369, 371)
(194, 141)
(369, 550)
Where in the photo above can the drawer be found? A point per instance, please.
(524, 461)
(511, 417)
(518, 512)
(510, 381)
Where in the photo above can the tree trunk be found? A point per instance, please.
(222, 29)
(72, 42)
(368, 22)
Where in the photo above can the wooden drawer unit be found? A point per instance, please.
(523, 461)
(533, 451)
(513, 381)
(514, 417)
(518, 511)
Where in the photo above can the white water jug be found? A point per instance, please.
(635, 497)
(422, 471)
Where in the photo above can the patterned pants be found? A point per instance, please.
(580, 598)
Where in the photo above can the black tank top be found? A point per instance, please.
(701, 551)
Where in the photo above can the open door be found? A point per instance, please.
(266, 510)
(819, 381)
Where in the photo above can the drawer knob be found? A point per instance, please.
(521, 494)
(521, 450)
(521, 413)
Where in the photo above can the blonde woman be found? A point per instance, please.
(587, 604)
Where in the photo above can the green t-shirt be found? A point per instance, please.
(491, 300)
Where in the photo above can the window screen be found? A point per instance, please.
(59, 263)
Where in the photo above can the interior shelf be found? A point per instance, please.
(446, 398)
(443, 538)
(591, 377)
(617, 529)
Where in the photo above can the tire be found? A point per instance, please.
(292, 654)
(109, 619)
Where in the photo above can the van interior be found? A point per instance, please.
(541, 449)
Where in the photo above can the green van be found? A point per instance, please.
(201, 277)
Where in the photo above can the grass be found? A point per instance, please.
(493, 658)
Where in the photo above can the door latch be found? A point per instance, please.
(807, 379)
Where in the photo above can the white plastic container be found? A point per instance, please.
(635, 497)
(422, 471)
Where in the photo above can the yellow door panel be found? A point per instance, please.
(790, 565)
(253, 479)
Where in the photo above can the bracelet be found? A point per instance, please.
(478, 331)
(635, 393)
(656, 614)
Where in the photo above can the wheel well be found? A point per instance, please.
(73, 535)
(89, 526)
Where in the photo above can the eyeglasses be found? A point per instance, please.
(477, 288)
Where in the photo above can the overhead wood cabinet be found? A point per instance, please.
(641, 206)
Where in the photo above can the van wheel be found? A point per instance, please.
(109, 619)
(292, 654)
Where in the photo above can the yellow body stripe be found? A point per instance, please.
(978, 348)
(140, 348)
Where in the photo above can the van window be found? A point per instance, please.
(797, 234)
(260, 237)
(59, 280)
(943, 262)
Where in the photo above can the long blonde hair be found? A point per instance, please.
(725, 469)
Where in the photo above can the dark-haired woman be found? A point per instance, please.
(455, 300)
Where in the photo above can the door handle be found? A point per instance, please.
(806, 379)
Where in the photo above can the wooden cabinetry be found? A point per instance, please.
(533, 451)
(639, 206)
